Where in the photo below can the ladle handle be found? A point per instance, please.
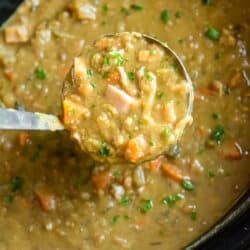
(11, 119)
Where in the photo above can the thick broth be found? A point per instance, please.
(49, 194)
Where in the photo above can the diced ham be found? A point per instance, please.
(120, 99)
(16, 34)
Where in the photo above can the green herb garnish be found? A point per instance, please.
(210, 174)
(115, 219)
(16, 184)
(93, 84)
(217, 56)
(150, 76)
(137, 7)
(40, 73)
(105, 74)
(125, 201)
(178, 14)
(105, 9)
(166, 132)
(215, 116)
(172, 199)
(125, 11)
(187, 185)
(213, 34)
(193, 215)
(118, 56)
(104, 150)
(206, 2)
(165, 16)
(90, 72)
(159, 94)
(217, 134)
(146, 206)
(131, 76)
(8, 199)
(106, 61)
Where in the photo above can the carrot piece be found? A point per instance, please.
(173, 172)
(102, 180)
(23, 138)
(10, 74)
(155, 165)
(135, 148)
(114, 77)
(46, 199)
(232, 152)
(205, 92)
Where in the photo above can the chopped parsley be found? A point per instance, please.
(178, 14)
(165, 16)
(93, 84)
(125, 201)
(105, 9)
(8, 199)
(159, 94)
(206, 2)
(115, 219)
(104, 150)
(217, 134)
(213, 34)
(40, 73)
(172, 199)
(187, 185)
(217, 56)
(16, 184)
(146, 206)
(131, 76)
(210, 174)
(90, 72)
(193, 215)
(166, 132)
(152, 143)
(137, 7)
(150, 76)
(105, 74)
(118, 56)
(215, 116)
(106, 61)
(125, 11)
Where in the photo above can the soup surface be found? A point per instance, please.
(54, 197)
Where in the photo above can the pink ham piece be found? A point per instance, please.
(120, 99)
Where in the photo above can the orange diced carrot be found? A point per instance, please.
(10, 74)
(155, 165)
(135, 148)
(232, 152)
(173, 172)
(46, 199)
(102, 180)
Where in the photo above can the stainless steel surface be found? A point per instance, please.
(11, 119)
